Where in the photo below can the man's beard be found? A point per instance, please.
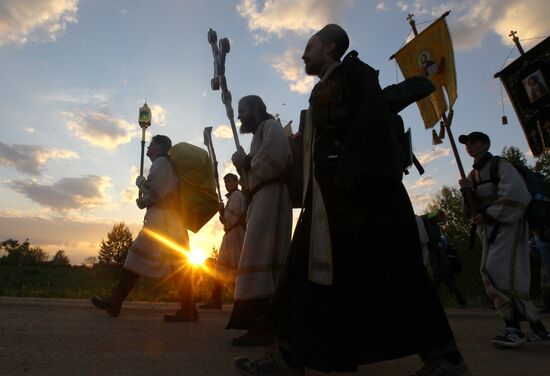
(248, 126)
(312, 69)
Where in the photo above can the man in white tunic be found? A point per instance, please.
(233, 218)
(147, 256)
(269, 218)
(505, 269)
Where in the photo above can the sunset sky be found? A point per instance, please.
(74, 74)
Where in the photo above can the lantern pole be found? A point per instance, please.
(144, 120)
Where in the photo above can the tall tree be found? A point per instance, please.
(456, 225)
(543, 164)
(513, 154)
(115, 249)
(16, 253)
(60, 259)
(89, 261)
(457, 228)
(541, 167)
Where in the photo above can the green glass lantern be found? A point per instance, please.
(144, 116)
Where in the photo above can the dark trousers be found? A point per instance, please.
(183, 281)
(450, 281)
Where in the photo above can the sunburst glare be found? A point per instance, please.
(196, 257)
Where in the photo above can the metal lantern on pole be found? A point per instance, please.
(144, 120)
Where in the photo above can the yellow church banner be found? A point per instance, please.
(431, 55)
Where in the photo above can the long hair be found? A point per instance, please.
(254, 102)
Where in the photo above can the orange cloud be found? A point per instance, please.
(300, 17)
(290, 67)
(35, 20)
(100, 128)
(436, 153)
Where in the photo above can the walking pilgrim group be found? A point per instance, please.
(338, 294)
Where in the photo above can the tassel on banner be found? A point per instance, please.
(436, 140)
(442, 131)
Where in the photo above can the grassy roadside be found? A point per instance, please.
(79, 282)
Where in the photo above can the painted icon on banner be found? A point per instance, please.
(535, 86)
(428, 67)
(526, 81)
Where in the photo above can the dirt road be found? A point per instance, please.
(70, 337)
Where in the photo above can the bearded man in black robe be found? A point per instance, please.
(354, 289)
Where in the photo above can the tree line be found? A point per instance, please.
(15, 253)
(111, 251)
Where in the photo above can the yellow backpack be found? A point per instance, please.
(197, 190)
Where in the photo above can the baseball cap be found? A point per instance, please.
(474, 136)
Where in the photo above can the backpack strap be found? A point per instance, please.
(493, 170)
(494, 178)
(493, 173)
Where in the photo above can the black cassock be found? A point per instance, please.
(382, 304)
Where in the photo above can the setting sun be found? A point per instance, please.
(197, 256)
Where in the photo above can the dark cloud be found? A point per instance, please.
(30, 159)
(85, 192)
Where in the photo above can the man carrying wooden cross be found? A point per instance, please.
(268, 222)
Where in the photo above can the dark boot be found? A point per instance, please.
(215, 301)
(456, 292)
(188, 310)
(113, 304)
(190, 315)
(253, 338)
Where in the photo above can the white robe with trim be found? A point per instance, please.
(269, 216)
(232, 242)
(505, 268)
(147, 256)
